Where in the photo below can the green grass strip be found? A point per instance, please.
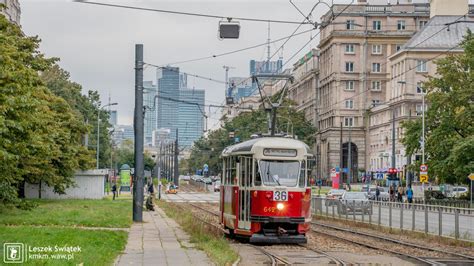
(215, 245)
(98, 247)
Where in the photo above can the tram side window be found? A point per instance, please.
(302, 180)
(232, 170)
(258, 178)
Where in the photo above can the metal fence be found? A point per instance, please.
(444, 221)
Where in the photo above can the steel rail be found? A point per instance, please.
(394, 241)
(336, 260)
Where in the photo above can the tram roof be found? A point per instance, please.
(266, 142)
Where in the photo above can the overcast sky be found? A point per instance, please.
(96, 43)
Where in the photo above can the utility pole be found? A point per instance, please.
(138, 130)
(393, 138)
(176, 153)
(341, 152)
(349, 172)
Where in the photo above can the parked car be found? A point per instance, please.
(207, 180)
(333, 196)
(217, 186)
(458, 191)
(384, 195)
(353, 202)
(214, 178)
(185, 177)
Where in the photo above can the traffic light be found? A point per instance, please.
(392, 174)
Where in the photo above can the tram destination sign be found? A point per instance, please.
(280, 152)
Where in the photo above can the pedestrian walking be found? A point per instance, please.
(392, 193)
(400, 193)
(114, 190)
(151, 190)
(377, 193)
(410, 194)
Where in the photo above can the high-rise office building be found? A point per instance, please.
(113, 117)
(168, 93)
(190, 116)
(151, 114)
(179, 107)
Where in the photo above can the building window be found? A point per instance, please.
(349, 48)
(422, 23)
(419, 109)
(350, 24)
(348, 121)
(377, 25)
(349, 66)
(376, 86)
(376, 68)
(375, 102)
(376, 49)
(401, 25)
(419, 88)
(421, 66)
(398, 47)
(349, 85)
(349, 104)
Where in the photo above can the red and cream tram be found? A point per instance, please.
(265, 194)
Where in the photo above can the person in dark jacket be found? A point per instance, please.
(114, 190)
(377, 193)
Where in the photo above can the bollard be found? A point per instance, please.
(363, 212)
(390, 215)
(370, 213)
(380, 214)
(440, 221)
(413, 214)
(339, 208)
(401, 216)
(456, 223)
(353, 210)
(426, 220)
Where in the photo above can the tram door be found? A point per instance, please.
(245, 181)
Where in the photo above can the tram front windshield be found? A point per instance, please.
(279, 173)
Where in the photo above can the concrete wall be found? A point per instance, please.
(89, 185)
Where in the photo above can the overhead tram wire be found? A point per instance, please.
(319, 32)
(229, 18)
(238, 50)
(189, 74)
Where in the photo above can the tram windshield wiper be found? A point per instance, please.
(268, 175)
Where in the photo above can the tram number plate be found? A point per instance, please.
(280, 195)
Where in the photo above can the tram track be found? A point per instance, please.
(430, 260)
(277, 259)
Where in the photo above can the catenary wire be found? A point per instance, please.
(229, 18)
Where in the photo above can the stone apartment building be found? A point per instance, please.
(354, 75)
(408, 69)
(303, 90)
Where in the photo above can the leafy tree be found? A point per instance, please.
(40, 135)
(85, 108)
(449, 118)
(208, 149)
(125, 155)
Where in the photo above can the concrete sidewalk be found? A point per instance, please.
(160, 241)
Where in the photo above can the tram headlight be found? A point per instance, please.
(280, 206)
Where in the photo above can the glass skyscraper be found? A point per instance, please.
(149, 93)
(168, 103)
(178, 107)
(191, 116)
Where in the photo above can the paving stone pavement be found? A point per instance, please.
(159, 240)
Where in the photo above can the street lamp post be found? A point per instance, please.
(98, 132)
(422, 120)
